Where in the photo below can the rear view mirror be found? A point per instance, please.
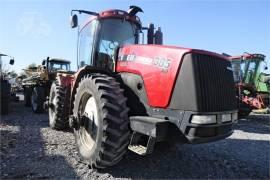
(82, 63)
(73, 21)
(11, 61)
(43, 62)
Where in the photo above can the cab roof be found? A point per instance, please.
(59, 60)
(113, 13)
(248, 57)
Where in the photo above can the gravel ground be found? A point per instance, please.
(29, 149)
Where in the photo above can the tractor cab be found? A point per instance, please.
(246, 69)
(56, 64)
(105, 33)
(59, 64)
(108, 31)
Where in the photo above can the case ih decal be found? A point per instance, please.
(160, 62)
(163, 63)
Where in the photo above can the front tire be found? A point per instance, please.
(58, 107)
(5, 91)
(38, 99)
(102, 133)
(244, 110)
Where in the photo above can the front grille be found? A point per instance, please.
(204, 84)
(215, 83)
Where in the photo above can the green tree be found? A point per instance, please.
(32, 65)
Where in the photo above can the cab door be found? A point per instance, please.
(86, 44)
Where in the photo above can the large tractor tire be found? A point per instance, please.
(4, 106)
(244, 110)
(27, 96)
(38, 99)
(58, 107)
(5, 91)
(266, 99)
(101, 123)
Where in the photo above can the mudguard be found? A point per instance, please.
(77, 77)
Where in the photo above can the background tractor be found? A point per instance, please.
(39, 80)
(131, 95)
(252, 85)
(5, 85)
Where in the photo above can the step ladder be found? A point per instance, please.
(154, 129)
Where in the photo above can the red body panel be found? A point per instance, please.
(158, 66)
(65, 79)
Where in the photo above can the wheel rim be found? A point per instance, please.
(34, 100)
(88, 121)
(52, 107)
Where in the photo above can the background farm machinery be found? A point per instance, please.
(252, 85)
(5, 85)
(39, 79)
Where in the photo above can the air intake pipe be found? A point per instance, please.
(154, 37)
(150, 34)
(158, 36)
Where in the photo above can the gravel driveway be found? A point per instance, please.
(29, 149)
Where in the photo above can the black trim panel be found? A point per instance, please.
(204, 84)
(135, 92)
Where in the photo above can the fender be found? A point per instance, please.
(77, 78)
(65, 79)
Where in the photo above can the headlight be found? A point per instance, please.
(226, 117)
(234, 117)
(204, 119)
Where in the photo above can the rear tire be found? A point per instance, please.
(244, 110)
(27, 96)
(4, 105)
(58, 107)
(38, 99)
(102, 133)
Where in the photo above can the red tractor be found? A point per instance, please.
(129, 95)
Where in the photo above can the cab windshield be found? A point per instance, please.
(114, 33)
(55, 66)
(252, 67)
(238, 70)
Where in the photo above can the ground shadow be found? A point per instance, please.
(225, 159)
(254, 124)
(26, 157)
(229, 158)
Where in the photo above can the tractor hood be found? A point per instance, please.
(163, 68)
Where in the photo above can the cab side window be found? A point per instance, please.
(86, 43)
